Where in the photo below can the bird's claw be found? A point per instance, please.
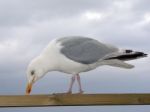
(80, 92)
(69, 92)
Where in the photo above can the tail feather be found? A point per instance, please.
(118, 63)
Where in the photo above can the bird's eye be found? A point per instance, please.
(32, 72)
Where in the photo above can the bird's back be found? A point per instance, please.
(84, 50)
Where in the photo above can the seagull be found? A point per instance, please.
(74, 55)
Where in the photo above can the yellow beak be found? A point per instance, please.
(28, 88)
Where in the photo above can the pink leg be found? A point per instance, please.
(71, 84)
(79, 83)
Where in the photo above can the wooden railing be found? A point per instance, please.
(73, 100)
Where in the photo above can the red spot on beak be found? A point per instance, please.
(28, 88)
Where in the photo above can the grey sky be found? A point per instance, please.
(27, 26)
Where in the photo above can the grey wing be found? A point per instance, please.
(84, 50)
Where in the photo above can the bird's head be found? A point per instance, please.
(34, 73)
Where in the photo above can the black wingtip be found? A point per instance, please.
(141, 54)
(130, 55)
(145, 55)
(128, 51)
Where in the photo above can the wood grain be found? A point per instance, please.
(73, 100)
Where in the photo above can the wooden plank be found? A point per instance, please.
(73, 100)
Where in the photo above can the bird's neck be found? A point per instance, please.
(49, 58)
(48, 63)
